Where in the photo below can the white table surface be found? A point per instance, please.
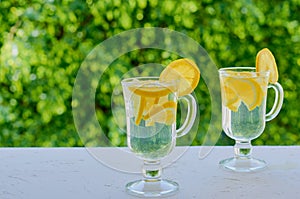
(42, 173)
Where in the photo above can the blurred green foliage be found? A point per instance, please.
(43, 44)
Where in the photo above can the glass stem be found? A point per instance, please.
(152, 171)
(243, 149)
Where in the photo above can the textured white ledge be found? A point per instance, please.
(34, 173)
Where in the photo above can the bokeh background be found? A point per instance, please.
(43, 43)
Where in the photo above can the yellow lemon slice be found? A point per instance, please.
(139, 106)
(148, 96)
(230, 97)
(162, 113)
(235, 105)
(248, 90)
(265, 61)
(150, 91)
(184, 70)
(151, 101)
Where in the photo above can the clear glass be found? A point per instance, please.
(243, 120)
(151, 107)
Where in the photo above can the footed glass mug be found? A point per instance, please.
(151, 107)
(244, 94)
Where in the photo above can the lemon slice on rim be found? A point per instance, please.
(184, 70)
(265, 61)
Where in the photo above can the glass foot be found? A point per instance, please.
(243, 164)
(148, 188)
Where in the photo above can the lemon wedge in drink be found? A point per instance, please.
(230, 97)
(148, 97)
(246, 90)
(162, 113)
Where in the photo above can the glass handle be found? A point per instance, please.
(190, 117)
(278, 101)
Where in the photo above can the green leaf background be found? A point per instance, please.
(43, 43)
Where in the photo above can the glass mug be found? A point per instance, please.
(151, 107)
(244, 94)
